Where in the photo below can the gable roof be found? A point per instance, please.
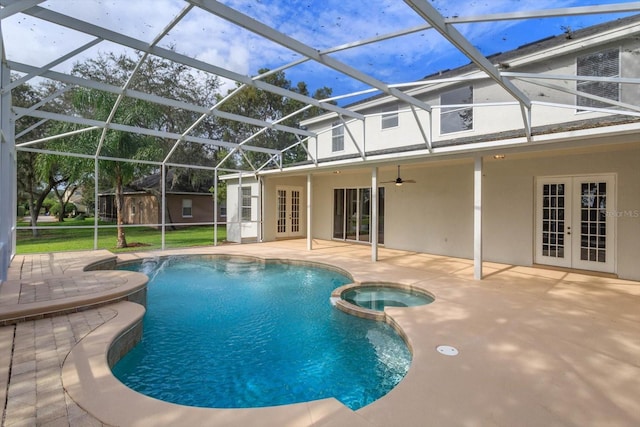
(502, 59)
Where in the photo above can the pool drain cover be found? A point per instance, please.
(447, 350)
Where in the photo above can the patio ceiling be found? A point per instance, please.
(295, 45)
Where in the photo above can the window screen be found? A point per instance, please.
(390, 117)
(246, 203)
(337, 135)
(599, 64)
(186, 208)
(457, 118)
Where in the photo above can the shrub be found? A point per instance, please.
(55, 209)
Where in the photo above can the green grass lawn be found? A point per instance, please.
(53, 238)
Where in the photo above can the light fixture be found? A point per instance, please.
(499, 156)
(398, 183)
(336, 172)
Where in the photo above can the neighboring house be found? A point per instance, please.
(76, 199)
(142, 203)
(554, 184)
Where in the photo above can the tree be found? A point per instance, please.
(270, 107)
(34, 183)
(156, 76)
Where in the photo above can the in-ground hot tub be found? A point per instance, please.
(370, 299)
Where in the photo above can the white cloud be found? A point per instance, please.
(319, 24)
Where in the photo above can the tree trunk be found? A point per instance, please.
(33, 216)
(122, 241)
(63, 205)
(36, 205)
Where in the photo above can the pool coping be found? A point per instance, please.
(89, 381)
(87, 378)
(528, 337)
(367, 313)
(128, 286)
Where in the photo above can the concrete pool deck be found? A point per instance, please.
(537, 346)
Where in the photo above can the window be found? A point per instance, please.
(246, 203)
(599, 64)
(186, 208)
(337, 137)
(458, 117)
(389, 118)
(223, 211)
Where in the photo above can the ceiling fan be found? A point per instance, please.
(399, 181)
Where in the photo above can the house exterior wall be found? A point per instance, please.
(435, 215)
(509, 202)
(242, 230)
(141, 209)
(144, 208)
(502, 115)
(201, 208)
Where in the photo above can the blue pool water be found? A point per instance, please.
(237, 334)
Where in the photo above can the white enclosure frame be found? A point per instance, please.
(433, 21)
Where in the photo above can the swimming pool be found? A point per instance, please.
(237, 333)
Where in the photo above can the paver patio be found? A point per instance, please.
(538, 347)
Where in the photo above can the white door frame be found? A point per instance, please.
(289, 205)
(574, 227)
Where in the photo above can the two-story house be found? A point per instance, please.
(535, 162)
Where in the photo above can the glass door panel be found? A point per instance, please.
(364, 217)
(381, 215)
(281, 225)
(295, 211)
(593, 242)
(338, 214)
(352, 214)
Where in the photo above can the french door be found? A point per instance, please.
(574, 227)
(288, 216)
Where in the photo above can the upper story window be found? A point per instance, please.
(599, 64)
(389, 118)
(246, 203)
(187, 208)
(458, 117)
(337, 137)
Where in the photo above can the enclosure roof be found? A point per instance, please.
(359, 49)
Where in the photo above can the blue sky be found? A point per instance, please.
(319, 24)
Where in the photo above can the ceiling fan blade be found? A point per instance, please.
(410, 181)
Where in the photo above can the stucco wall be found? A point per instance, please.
(435, 215)
(509, 194)
(488, 119)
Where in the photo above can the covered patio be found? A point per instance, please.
(537, 346)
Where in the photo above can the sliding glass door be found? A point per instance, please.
(352, 214)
